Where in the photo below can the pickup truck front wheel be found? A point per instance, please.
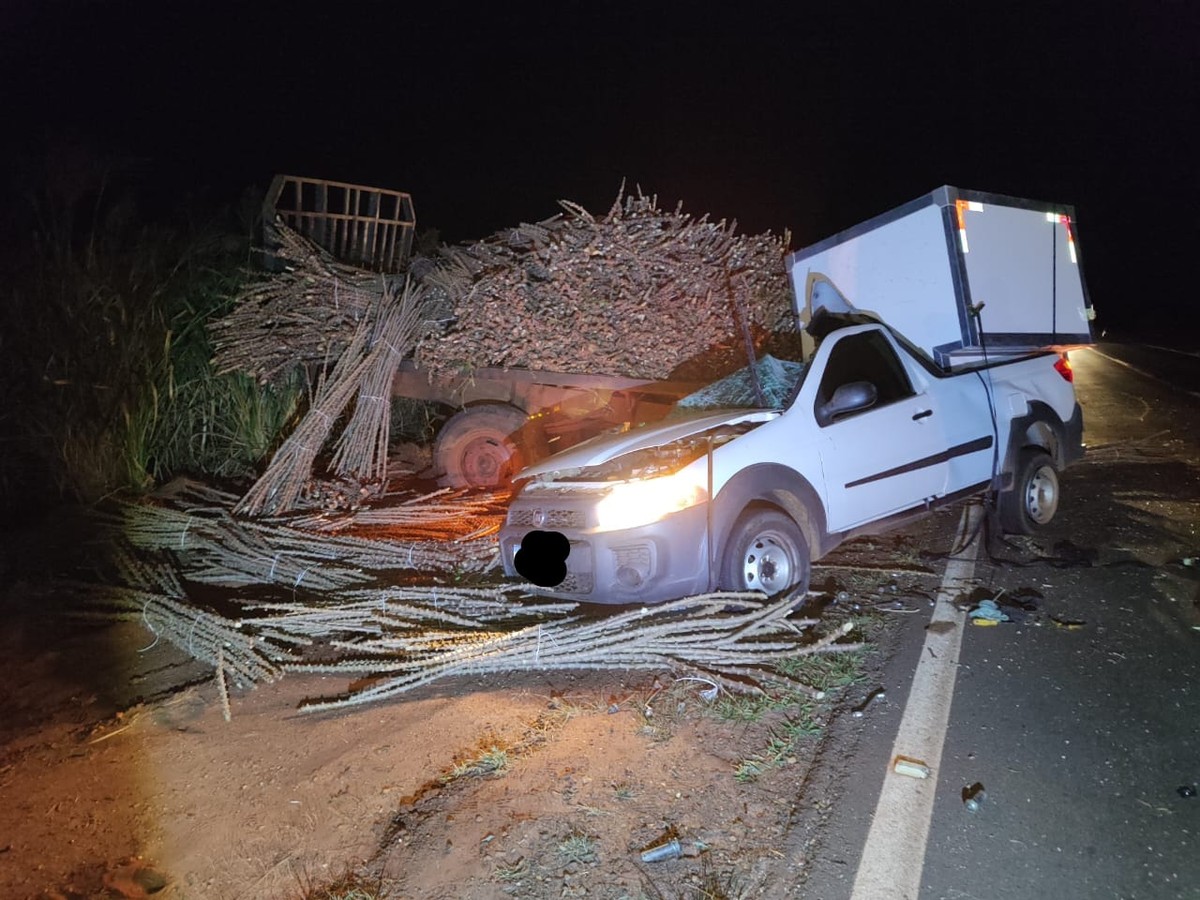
(1033, 500)
(766, 552)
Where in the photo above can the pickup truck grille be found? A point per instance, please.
(554, 518)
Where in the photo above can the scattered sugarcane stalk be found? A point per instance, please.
(222, 688)
(201, 634)
(418, 633)
(408, 637)
(438, 512)
(697, 634)
(365, 614)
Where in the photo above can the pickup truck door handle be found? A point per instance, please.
(923, 414)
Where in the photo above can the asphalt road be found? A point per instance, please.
(1083, 723)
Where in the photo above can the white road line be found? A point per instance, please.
(1176, 350)
(1144, 373)
(894, 854)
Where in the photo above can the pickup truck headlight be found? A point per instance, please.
(634, 503)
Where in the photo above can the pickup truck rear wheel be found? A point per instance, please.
(1033, 500)
(480, 446)
(766, 552)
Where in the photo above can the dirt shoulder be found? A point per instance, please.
(116, 757)
(122, 777)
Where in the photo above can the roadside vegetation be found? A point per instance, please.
(106, 364)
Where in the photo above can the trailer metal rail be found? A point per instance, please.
(365, 226)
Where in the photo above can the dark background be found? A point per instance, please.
(782, 116)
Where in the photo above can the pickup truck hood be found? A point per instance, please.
(604, 448)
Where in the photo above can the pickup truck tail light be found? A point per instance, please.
(1063, 367)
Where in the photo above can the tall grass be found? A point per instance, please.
(104, 356)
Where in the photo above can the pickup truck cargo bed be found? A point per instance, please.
(957, 273)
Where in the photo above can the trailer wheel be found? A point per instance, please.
(1033, 500)
(766, 551)
(480, 446)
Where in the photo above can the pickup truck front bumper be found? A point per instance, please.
(652, 563)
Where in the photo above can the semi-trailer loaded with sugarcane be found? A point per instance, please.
(531, 340)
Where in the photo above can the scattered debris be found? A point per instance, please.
(673, 849)
(432, 532)
(973, 797)
(988, 612)
(1186, 791)
(913, 768)
(877, 694)
(1020, 607)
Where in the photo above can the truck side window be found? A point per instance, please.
(866, 357)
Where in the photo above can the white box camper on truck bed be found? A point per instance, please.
(957, 273)
(914, 397)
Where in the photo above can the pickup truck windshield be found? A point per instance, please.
(778, 378)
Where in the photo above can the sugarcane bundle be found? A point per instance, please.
(638, 292)
(443, 514)
(212, 546)
(361, 451)
(150, 592)
(305, 314)
(278, 487)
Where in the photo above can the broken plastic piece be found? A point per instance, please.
(988, 610)
(913, 768)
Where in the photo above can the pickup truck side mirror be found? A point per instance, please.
(848, 398)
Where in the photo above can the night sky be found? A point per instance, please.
(800, 116)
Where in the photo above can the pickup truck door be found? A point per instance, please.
(888, 457)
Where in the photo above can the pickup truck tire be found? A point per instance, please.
(480, 446)
(766, 551)
(1033, 500)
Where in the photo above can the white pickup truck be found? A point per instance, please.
(938, 373)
